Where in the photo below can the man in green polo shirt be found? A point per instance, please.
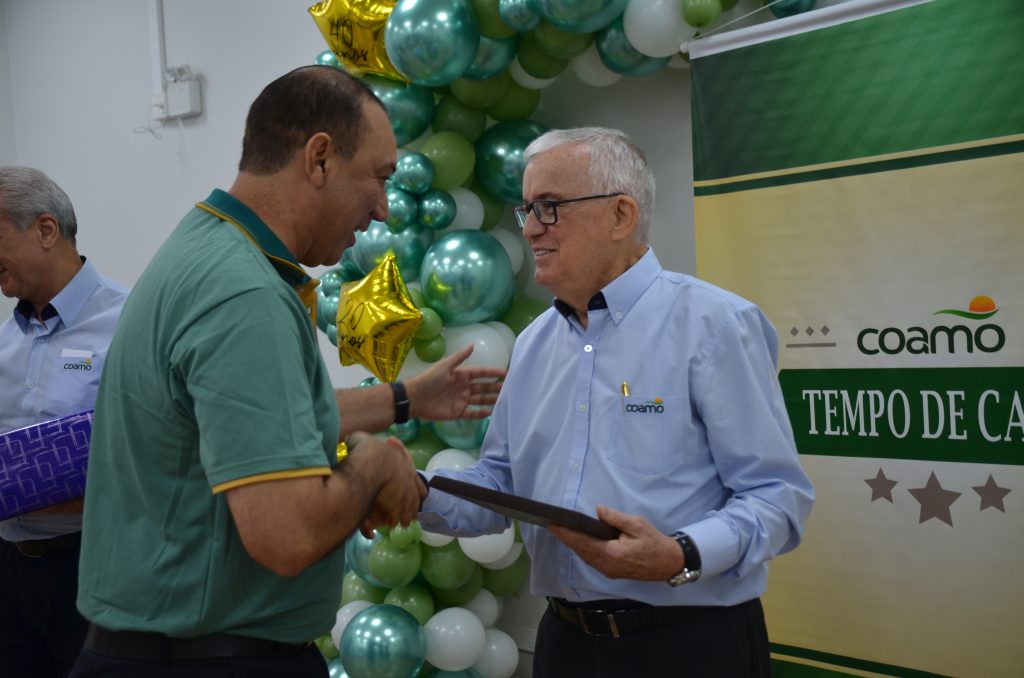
(216, 507)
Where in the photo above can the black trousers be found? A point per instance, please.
(41, 631)
(727, 642)
(308, 663)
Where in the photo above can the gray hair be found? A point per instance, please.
(617, 165)
(26, 193)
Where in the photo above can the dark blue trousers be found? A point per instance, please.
(306, 664)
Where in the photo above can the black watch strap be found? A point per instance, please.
(401, 402)
(691, 561)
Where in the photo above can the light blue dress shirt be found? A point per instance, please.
(702, 444)
(34, 384)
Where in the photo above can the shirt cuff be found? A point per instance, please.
(717, 543)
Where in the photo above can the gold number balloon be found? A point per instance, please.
(354, 30)
(377, 321)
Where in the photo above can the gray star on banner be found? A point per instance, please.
(991, 494)
(935, 501)
(881, 487)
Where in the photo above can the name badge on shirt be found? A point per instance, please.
(75, 359)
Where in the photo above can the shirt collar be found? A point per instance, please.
(231, 209)
(619, 295)
(69, 301)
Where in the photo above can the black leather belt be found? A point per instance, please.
(616, 618)
(156, 646)
(38, 548)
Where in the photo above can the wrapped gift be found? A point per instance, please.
(43, 464)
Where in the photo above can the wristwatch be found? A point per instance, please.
(691, 561)
(401, 402)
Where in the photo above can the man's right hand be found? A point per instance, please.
(401, 491)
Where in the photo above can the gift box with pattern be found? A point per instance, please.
(43, 464)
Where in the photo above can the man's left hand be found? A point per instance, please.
(641, 552)
(448, 391)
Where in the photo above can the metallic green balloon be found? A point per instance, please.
(621, 57)
(499, 158)
(436, 209)
(409, 247)
(432, 43)
(414, 174)
(401, 209)
(405, 432)
(463, 434)
(385, 641)
(580, 16)
(519, 14)
(410, 107)
(492, 57)
(330, 282)
(327, 58)
(787, 7)
(335, 669)
(467, 278)
(326, 310)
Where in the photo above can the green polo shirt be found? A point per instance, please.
(213, 379)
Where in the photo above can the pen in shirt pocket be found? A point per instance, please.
(625, 394)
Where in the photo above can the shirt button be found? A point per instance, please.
(618, 315)
(583, 408)
(588, 348)
(30, 384)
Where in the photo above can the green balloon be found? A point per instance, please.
(414, 599)
(509, 580)
(429, 350)
(518, 103)
(446, 567)
(453, 158)
(535, 61)
(481, 93)
(499, 158)
(417, 297)
(701, 13)
(424, 446)
(326, 647)
(460, 595)
(523, 311)
(393, 566)
(406, 537)
(451, 115)
(728, 4)
(491, 24)
(562, 44)
(405, 432)
(357, 588)
(410, 107)
(494, 209)
(327, 58)
(430, 326)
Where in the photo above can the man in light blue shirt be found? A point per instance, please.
(65, 316)
(650, 399)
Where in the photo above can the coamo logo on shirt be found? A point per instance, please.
(656, 406)
(987, 338)
(84, 365)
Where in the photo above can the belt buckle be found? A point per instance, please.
(610, 616)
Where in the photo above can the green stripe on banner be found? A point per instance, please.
(965, 414)
(931, 75)
(923, 160)
(836, 660)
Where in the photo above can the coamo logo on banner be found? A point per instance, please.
(987, 338)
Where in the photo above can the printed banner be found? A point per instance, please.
(864, 184)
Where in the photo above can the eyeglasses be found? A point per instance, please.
(546, 211)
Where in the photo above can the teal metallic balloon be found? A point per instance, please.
(331, 281)
(499, 158)
(432, 42)
(326, 310)
(357, 555)
(335, 669)
(401, 209)
(383, 641)
(406, 432)
(519, 14)
(437, 209)
(332, 334)
(414, 173)
(492, 57)
(377, 240)
(369, 381)
(464, 434)
(580, 16)
(467, 278)
(327, 58)
(621, 57)
(789, 7)
(410, 107)
(348, 268)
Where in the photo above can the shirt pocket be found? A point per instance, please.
(72, 385)
(649, 433)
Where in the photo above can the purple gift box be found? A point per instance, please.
(43, 464)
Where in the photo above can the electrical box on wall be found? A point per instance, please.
(184, 99)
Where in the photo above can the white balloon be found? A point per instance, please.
(505, 331)
(490, 348)
(344, 616)
(589, 68)
(656, 27)
(455, 639)
(509, 558)
(469, 211)
(451, 458)
(486, 606)
(500, 657)
(488, 548)
(513, 244)
(435, 539)
(526, 80)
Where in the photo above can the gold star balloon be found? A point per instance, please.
(354, 30)
(377, 321)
